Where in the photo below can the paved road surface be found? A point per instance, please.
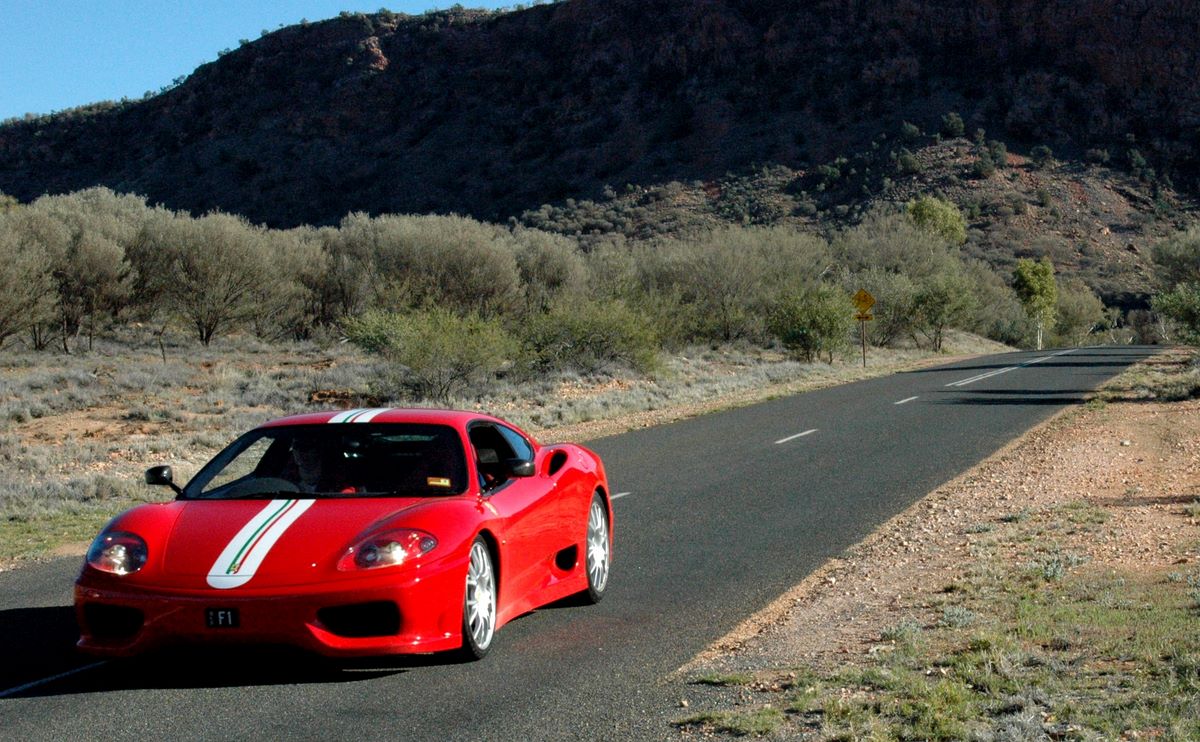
(724, 513)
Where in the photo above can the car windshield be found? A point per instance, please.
(346, 460)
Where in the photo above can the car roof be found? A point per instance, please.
(453, 418)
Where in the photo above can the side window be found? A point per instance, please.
(521, 447)
(491, 451)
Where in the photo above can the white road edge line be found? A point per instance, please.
(619, 495)
(906, 401)
(794, 437)
(51, 679)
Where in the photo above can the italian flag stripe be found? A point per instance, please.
(256, 536)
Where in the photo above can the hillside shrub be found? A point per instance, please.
(433, 354)
(587, 335)
(952, 125)
(1079, 313)
(812, 323)
(1041, 156)
(25, 287)
(1182, 306)
(939, 217)
(907, 163)
(941, 301)
(218, 263)
(895, 295)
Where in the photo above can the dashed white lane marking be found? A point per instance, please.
(794, 437)
(1006, 369)
(907, 400)
(619, 495)
(51, 679)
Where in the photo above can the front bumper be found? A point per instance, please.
(124, 620)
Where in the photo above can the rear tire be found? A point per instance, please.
(479, 603)
(598, 549)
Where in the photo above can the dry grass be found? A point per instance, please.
(76, 432)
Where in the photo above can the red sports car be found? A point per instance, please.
(361, 532)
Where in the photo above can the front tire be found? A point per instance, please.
(599, 549)
(479, 603)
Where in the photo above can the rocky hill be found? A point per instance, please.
(496, 114)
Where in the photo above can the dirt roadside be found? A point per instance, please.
(1112, 485)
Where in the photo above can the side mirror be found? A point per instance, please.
(520, 468)
(162, 476)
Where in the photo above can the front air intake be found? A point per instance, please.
(357, 620)
(112, 622)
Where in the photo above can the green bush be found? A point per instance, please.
(952, 125)
(26, 290)
(941, 301)
(908, 164)
(435, 354)
(895, 295)
(1041, 156)
(586, 335)
(984, 166)
(998, 152)
(813, 322)
(939, 217)
(1079, 313)
(1182, 305)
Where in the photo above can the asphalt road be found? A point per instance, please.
(724, 513)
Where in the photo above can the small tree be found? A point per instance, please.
(1079, 313)
(939, 217)
(813, 322)
(26, 290)
(218, 265)
(1178, 261)
(1035, 287)
(942, 301)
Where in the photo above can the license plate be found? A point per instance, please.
(221, 618)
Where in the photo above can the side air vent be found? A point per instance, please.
(558, 459)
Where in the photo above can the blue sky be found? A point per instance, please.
(57, 54)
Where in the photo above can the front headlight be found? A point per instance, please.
(118, 553)
(387, 549)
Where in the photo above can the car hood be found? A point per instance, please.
(228, 544)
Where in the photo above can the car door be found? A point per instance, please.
(525, 547)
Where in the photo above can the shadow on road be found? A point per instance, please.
(1071, 360)
(38, 644)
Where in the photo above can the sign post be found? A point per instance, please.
(863, 301)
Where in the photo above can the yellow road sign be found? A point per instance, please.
(864, 316)
(863, 301)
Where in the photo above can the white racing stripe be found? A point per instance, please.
(27, 686)
(794, 437)
(360, 415)
(242, 556)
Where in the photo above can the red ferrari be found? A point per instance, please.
(362, 532)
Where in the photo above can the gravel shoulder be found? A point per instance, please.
(1110, 487)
